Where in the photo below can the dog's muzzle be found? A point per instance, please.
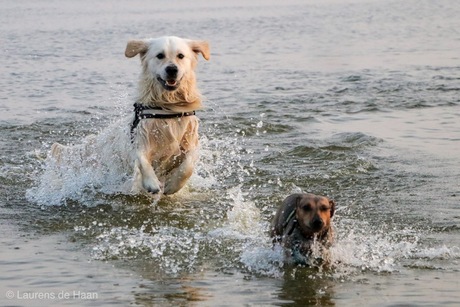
(170, 83)
(317, 223)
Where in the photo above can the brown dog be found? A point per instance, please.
(301, 220)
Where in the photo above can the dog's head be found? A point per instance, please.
(169, 60)
(314, 213)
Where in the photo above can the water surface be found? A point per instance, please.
(357, 100)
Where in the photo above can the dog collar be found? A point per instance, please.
(143, 112)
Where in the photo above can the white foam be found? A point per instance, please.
(264, 259)
(97, 165)
(244, 232)
(175, 250)
(245, 224)
(442, 253)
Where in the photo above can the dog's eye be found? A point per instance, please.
(306, 208)
(324, 208)
(160, 56)
(180, 56)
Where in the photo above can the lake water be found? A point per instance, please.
(354, 99)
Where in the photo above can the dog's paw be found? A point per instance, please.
(151, 187)
(56, 150)
(152, 190)
(169, 190)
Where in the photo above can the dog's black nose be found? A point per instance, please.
(317, 223)
(171, 71)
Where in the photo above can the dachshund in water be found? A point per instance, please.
(301, 221)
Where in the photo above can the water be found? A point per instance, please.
(357, 100)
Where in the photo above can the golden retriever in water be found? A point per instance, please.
(301, 220)
(164, 131)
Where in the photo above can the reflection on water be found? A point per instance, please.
(356, 99)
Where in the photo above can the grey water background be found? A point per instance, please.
(357, 100)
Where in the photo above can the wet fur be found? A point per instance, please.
(187, 97)
(298, 230)
(164, 151)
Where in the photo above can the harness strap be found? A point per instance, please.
(289, 218)
(143, 112)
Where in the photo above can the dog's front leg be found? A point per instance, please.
(150, 181)
(179, 176)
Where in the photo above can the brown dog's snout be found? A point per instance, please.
(171, 71)
(317, 223)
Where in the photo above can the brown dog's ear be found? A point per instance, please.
(135, 47)
(332, 203)
(201, 47)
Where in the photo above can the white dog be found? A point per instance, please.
(164, 131)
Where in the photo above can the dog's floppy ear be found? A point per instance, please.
(135, 47)
(332, 203)
(293, 200)
(201, 47)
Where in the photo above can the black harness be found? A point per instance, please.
(139, 114)
(288, 220)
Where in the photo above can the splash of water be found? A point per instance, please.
(97, 165)
(174, 250)
(246, 224)
(241, 240)
(443, 252)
